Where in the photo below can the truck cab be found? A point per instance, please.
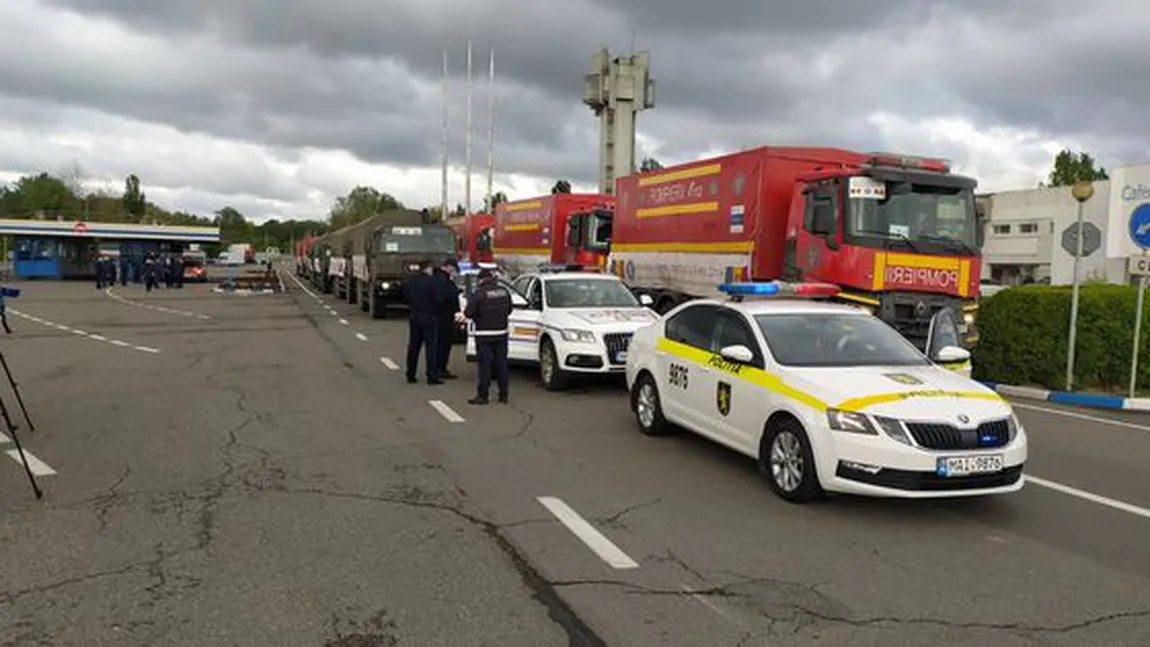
(588, 241)
(900, 236)
(397, 249)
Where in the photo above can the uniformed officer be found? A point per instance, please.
(167, 271)
(489, 307)
(150, 270)
(448, 308)
(422, 295)
(178, 271)
(99, 265)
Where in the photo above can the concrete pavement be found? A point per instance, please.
(267, 477)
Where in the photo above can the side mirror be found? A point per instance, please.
(951, 355)
(737, 353)
(646, 300)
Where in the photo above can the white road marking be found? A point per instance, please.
(98, 337)
(121, 344)
(1090, 496)
(345, 322)
(303, 287)
(587, 533)
(4, 439)
(445, 411)
(38, 467)
(76, 331)
(1082, 416)
(147, 349)
(333, 312)
(386, 361)
(183, 313)
(360, 336)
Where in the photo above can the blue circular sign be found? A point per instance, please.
(1140, 225)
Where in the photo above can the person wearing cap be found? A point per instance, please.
(489, 307)
(421, 292)
(448, 294)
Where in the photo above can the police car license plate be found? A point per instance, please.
(968, 465)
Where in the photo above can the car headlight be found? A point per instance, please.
(581, 336)
(850, 422)
(894, 429)
(383, 285)
(1013, 426)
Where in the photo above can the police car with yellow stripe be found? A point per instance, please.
(826, 397)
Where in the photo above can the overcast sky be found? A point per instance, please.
(278, 106)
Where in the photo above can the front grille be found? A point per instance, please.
(616, 342)
(994, 433)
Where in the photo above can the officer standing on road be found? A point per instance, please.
(422, 294)
(178, 271)
(150, 270)
(489, 307)
(448, 308)
(99, 265)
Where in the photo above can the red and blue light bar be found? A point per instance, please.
(779, 289)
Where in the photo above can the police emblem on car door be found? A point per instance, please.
(723, 398)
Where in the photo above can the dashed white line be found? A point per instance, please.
(1081, 416)
(183, 313)
(38, 467)
(303, 287)
(1090, 496)
(81, 333)
(595, 540)
(447, 412)
(386, 361)
(345, 322)
(360, 336)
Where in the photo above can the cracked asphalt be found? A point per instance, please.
(265, 479)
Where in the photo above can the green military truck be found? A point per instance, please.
(394, 245)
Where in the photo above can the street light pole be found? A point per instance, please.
(1082, 191)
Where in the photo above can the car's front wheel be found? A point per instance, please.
(786, 459)
(554, 378)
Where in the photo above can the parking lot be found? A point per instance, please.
(227, 469)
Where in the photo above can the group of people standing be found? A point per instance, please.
(433, 301)
(170, 270)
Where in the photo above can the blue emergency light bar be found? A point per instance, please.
(777, 288)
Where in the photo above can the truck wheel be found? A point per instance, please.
(786, 459)
(378, 307)
(553, 376)
(648, 407)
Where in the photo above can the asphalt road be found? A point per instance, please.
(255, 470)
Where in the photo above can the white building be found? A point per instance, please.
(1022, 232)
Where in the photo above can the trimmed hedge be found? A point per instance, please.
(1023, 334)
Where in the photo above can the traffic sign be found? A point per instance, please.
(1091, 238)
(1140, 225)
(1138, 265)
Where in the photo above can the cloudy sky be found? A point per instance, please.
(278, 106)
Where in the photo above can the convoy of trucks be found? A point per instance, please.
(898, 234)
(368, 262)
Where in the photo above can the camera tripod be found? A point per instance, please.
(7, 417)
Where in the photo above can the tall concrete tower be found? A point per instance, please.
(616, 90)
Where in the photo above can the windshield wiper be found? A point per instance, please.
(961, 246)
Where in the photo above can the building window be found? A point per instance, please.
(1002, 229)
(1028, 228)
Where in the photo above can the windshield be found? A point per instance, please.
(417, 240)
(927, 215)
(836, 339)
(588, 293)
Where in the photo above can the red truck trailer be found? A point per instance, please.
(897, 234)
(473, 236)
(558, 228)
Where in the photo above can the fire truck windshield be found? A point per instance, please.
(929, 219)
(599, 231)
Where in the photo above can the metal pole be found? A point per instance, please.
(491, 132)
(1137, 335)
(467, 179)
(1074, 306)
(443, 189)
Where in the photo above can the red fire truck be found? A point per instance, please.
(473, 236)
(898, 234)
(572, 228)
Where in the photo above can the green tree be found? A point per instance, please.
(359, 204)
(47, 194)
(562, 186)
(234, 228)
(497, 198)
(134, 200)
(1070, 167)
(649, 164)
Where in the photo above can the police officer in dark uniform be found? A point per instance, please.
(178, 270)
(448, 308)
(489, 307)
(423, 301)
(100, 271)
(149, 272)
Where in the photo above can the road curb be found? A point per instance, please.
(1072, 399)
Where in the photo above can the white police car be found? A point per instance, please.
(826, 397)
(572, 322)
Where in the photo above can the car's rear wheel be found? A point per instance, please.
(786, 459)
(648, 407)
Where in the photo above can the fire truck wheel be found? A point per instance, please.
(554, 378)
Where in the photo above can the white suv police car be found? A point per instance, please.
(573, 323)
(826, 397)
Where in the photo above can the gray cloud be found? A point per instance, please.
(349, 74)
